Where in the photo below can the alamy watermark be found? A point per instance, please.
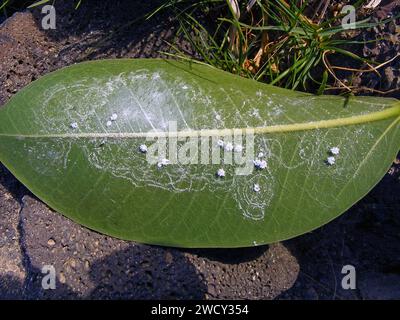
(49, 20)
(192, 147)
(348, 20)
(49, 278)
(349, 278)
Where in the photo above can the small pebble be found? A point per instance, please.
(62, 278)
(221, 173)
(256, 187)
(335, 151)
(143, 148)
(331, 160)
(51, 242)
(113, 117)
(74, 125)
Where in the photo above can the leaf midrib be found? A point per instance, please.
(280, 128)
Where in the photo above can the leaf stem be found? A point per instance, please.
(391, 112)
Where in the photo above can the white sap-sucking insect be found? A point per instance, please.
(113, 117)
(162, 163)
(331, 161)
(74, 125)
(221, 173)
(228, 146)
(108, 123)
(220, 143)
(334, 150)
(143, 148)
(260, 164)
(238, 148)
(256, 187)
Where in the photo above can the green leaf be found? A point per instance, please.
(324, 81)
(95, 174)
(38, 3)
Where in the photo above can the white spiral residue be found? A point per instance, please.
(142, 101)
